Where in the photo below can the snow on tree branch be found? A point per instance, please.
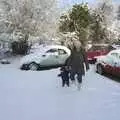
(32, 17)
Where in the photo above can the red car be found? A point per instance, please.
(98, 50)
(109, 63)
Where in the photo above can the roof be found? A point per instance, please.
(115, 51)
(58, 47)
(44, 48)
(100, 44)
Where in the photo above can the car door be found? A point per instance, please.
(50, 57)
(112, 67)
(108, 64)
(116, 65)
(62, 56)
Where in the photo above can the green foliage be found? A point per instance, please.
(66, 25)
(89, 25)
(97, 32)
(80, 16)
(77, 20)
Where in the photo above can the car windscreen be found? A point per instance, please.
(62, 52)
(96, 48)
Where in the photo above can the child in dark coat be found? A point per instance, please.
(64, 75)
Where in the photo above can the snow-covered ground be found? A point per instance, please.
(28, 95)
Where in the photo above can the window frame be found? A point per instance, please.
(62, 53)
(56, 50)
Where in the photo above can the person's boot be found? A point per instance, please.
(73, 82)
(79, 86)
(63, 85)
(68, 85)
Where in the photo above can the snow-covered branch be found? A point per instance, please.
(33, 17)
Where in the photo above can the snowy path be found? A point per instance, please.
(39, 96)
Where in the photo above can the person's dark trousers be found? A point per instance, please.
(72, 76)
(65, 82)
(79, 76)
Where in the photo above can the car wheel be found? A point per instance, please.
(100, 69)
(33, 66)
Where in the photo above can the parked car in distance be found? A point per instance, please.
(4, 61)
(97, 50)
(5, 53)
(109, 63)
(46, 56)
(116, 46)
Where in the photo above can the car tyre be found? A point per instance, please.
(33, 66)
(99, 69)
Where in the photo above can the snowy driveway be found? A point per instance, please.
(39, 96)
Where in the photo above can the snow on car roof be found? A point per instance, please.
(47, 47)
(58, 47)
(115, 51)
(100, 44)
